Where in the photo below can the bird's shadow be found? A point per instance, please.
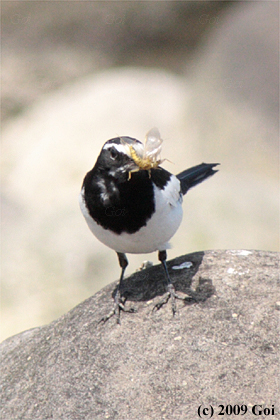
(145, 285)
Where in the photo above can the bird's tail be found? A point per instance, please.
(193, 176)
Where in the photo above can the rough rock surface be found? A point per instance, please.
(221, 349)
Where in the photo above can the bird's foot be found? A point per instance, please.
(117, 308)
(171, 294)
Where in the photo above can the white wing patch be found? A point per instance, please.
(172, 192)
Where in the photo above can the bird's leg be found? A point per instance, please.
(118, 301)
(171, 293)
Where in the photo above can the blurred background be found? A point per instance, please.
(75, 74)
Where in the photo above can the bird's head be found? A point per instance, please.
(115, 157)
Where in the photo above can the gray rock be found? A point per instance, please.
(220, 350)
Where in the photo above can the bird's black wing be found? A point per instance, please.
(193, 176)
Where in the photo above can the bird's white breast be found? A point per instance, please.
(155, 234)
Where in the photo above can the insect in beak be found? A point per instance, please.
(149, 158)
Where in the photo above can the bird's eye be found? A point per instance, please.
(113, 153)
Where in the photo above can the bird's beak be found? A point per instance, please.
(131, 166)
(127, 168)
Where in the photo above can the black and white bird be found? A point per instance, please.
(133, 205)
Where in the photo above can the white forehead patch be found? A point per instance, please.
(124, 148)
(119, 147)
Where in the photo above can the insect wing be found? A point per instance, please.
(153, 144)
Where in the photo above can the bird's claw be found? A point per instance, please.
(171, 294)
(116, 310)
